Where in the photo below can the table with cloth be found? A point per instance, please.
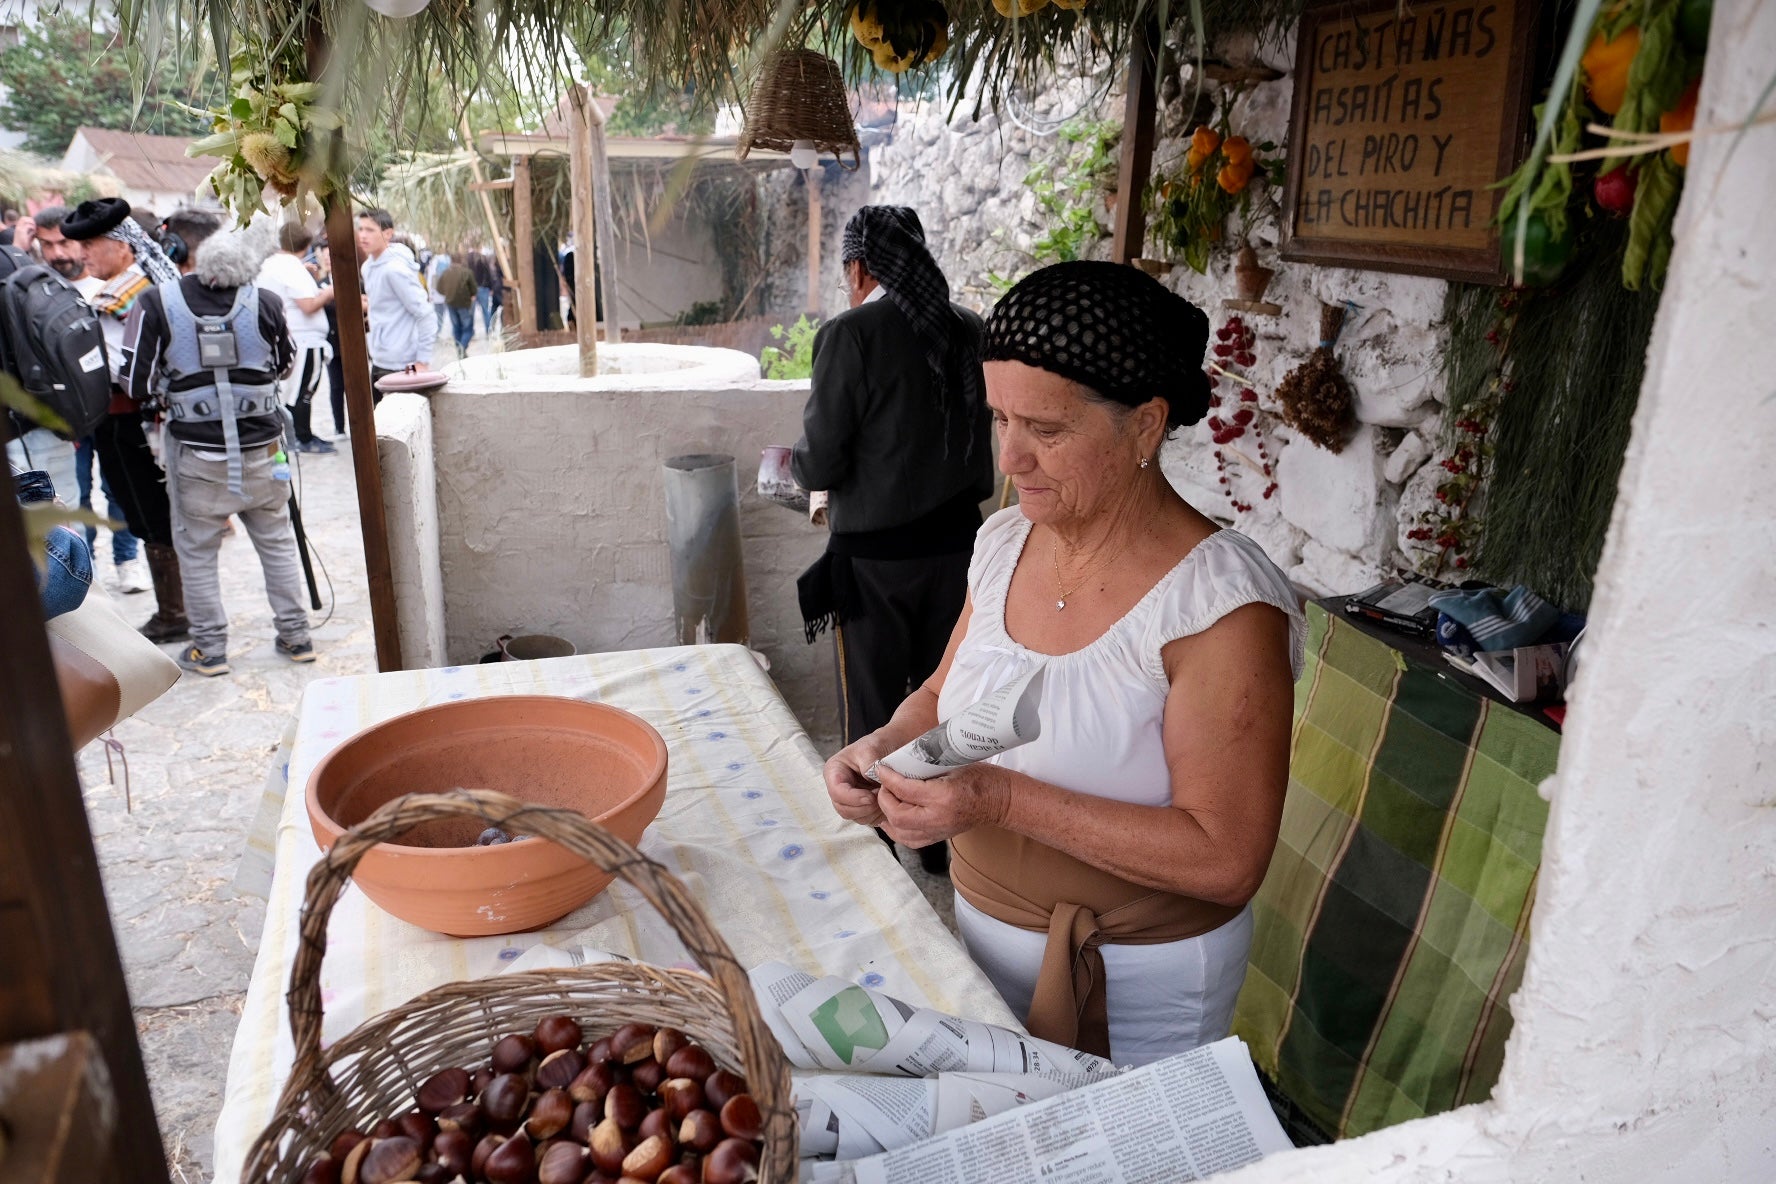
(746, 825)
(1393, 924)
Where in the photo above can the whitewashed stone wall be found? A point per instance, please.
(1336, 522)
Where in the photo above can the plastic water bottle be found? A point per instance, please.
(280, 466)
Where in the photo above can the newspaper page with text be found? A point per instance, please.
(1182, 1118)
(1008, 717)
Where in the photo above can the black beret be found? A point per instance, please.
(95, 219)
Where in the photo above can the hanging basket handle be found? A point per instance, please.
(766, 1070)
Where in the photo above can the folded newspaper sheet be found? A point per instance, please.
(851, 1116)
(1182, 1118)
(829, 1023)
(1008, 717)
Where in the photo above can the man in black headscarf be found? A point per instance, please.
(896, 431)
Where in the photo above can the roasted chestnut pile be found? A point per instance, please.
(642, 1104)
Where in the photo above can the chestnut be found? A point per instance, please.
(624, 1104)
(593, 1083)
(479, 1079)
(344, 1142)
(486, 1147)
(559, 1068)
(390, 1161)
(455, 1149)
(431, 1173)
(465, 1117)
(586, 1115)
(647, 1075)
(324, 1170)
(734, 1161)
(680, 1173)
(668, 1041)
(563, 1163)
(552, 1111)
(741, 1119)
(650, 1157)
(632, 1042)
(512, 1162)
(600, 1051)
(609, 1144)
(680, 1096)
(418, 1127)
(556, 1033)
(513, 1054)
(657, 1122)
(504, 1101)
(700, 1131)
(442, 1090)
(721, 1085)
(348, 1169)
(386, 1129)
(690, 1061)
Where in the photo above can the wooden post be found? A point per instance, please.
(605, 221)
(813, 178)
(1129, 226)
(59, 967)
(524, 246)
(499, 240)
(360, 413)
(584, 231)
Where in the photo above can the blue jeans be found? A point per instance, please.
(462, 326)
(43, 450)
(484, 302)
(67, 564)
(123, 543)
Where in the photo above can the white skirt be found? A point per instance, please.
(1162, 999)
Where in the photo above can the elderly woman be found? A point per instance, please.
(1103, 871)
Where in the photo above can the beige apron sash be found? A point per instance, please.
(1021, 882)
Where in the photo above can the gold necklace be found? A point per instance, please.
(1063, 591)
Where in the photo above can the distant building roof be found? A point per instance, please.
(140, 160)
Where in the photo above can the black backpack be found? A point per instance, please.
(51, 342)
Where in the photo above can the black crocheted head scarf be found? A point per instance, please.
(1109, 327)
(891, 243)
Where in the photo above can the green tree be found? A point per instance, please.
(66, 73)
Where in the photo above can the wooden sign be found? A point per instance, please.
(1404, 117)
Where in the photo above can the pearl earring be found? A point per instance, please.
(1144, 462)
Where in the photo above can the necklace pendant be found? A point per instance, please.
(1059, 605)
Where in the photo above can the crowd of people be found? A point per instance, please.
(216, 343)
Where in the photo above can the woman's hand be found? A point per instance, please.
(920, 813)
(854, 795)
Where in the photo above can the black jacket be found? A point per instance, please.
(146, 335)
(873, 434)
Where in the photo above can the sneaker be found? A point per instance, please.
(132, 576)
(301, 651)
(209, 665)
(317, 445)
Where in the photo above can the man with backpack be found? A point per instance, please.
(128, 264)
(457, 286)
(212, 346)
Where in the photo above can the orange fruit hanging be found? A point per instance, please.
(1606, 66)
(1682, 118)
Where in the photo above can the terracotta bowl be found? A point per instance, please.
(603, 762)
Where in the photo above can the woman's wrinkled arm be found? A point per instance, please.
(1226, 735)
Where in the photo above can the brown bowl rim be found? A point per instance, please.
(311, 795)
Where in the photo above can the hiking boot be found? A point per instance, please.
(195, 660)
(301, 651)
(168, 622)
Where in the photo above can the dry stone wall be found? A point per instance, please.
(1336, 522)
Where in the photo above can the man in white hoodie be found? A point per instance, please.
(403, 329)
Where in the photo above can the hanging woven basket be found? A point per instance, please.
(800, 95)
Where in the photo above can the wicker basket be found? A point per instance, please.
(800, 95)
(373, 1073)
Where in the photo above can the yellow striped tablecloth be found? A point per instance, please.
(746, 825)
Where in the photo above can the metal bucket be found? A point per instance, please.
(526, 646)
(703, 532)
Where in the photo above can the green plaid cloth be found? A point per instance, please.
(1393, 925)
